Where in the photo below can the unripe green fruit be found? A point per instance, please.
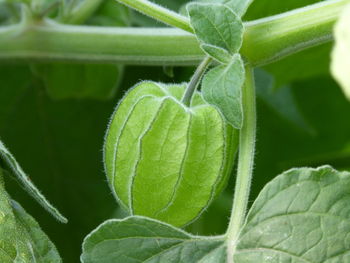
(165, 160)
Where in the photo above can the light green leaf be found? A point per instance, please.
(217, 53)
(340, 66)
(89, 81)
(301, 216)
(222, 87)
(216, 25)
(21, 238)
(140, 239)
(26, 183)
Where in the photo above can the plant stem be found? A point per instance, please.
(265, 40)
(194, 82)
(245, 164)
(160, 13)
(282, 35)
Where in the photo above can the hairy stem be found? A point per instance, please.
(265, 40)
(245, 164)
(160, 13)
(194, 82)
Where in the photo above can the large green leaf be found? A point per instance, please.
(341, 52)
(301, 216)
(21, 238)
(140, 239)
(216, 25)
(222, 86)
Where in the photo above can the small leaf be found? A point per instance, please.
(303, 215)
(222, 87)
(340, 66)
(217, 53)
(23, 179)
(216, 25)
(140, 239)
(21, 238)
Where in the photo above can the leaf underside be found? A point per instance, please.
(140, 239)
(222, 87)
(216, 25)
(302, 216)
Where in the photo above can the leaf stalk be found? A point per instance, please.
(195, 80)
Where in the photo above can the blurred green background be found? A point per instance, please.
(53, 118)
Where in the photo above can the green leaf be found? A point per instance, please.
(216, 25)
(301, 216)
(88, 81)
(340, 66)
(222, 87)
(21, 238)
(140, 239)
(217, 53)
(15, 168)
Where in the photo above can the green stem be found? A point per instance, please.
(160, 13)
(272, 38)
(245, 164)
(265, 40)
(194, 82)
